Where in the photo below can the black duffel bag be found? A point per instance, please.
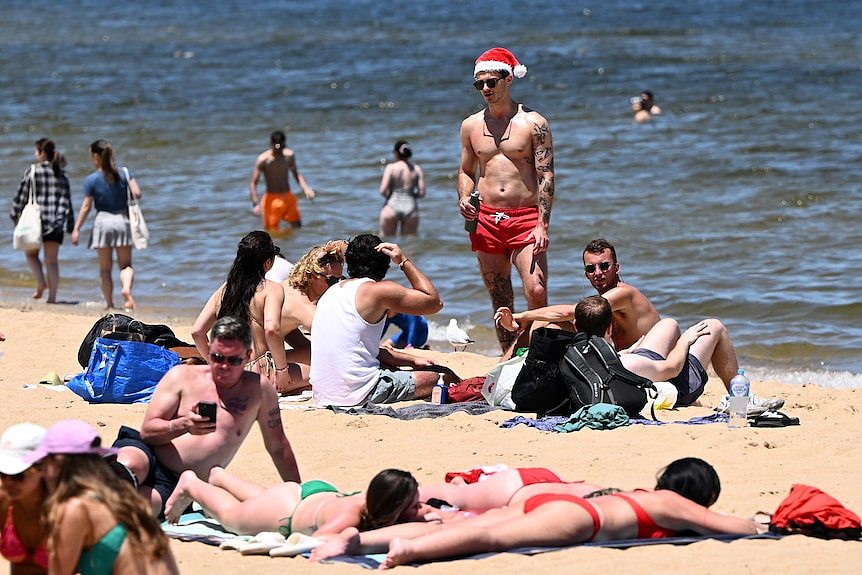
(539, 386)
(123, 327)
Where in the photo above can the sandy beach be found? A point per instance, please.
(757, 466)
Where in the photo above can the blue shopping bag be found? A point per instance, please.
(123, 371)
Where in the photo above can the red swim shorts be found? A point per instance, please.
(503, 230)
(278, 206)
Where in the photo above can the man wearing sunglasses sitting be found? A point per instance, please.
(633, 314)
(507, 156)
(199, 416)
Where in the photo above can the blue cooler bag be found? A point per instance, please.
(123, 371)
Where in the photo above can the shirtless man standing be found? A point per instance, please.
(278, 202)
(510, 149)
(177, 435)
(633, 314)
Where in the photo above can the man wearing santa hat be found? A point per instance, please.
(507, 155)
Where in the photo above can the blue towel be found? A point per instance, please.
(550, 422)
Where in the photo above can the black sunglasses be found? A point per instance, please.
(15, 477)
(332, 280)
(490, 82)
(591, 268)
(233, 360)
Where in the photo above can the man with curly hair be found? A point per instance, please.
(345, 334)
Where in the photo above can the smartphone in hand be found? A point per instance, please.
(207, 409)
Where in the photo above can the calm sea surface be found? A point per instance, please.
(742, 201)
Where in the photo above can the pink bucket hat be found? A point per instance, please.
(70, 437)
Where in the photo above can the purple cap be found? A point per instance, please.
(70, 437)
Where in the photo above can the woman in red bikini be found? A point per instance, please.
(684, 491)
(23, 535)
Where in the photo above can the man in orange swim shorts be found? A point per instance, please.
(279, 203)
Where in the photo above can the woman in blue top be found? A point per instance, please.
(107, 189)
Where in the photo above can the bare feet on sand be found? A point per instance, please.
(39, 290)
(345, 543)
(129, 303)
(400, 553)
(179, 499)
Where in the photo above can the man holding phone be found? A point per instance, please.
(199, 416)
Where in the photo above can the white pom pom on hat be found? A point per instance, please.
(497, 59)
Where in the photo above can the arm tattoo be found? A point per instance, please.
(541, 132)
(273, 418)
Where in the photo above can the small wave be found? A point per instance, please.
(823, 378)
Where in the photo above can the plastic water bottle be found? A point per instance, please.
(440, 393)
(740, 388)
(470, 225)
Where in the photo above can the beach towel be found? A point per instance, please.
(597, 416)
(417, 411)
(549, 423)
(373, 561)
(196, 526)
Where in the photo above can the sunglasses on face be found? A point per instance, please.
(490, 82)
(16, 477)
(233, 360)
(332, 280)
(591, 268)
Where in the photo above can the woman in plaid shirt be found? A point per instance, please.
(55, 200)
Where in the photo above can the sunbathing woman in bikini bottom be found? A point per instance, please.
(684, 491)
(312, 507)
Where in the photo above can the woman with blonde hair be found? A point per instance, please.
(99, 523)
(317, 269)
(107, 189)
(251, 298)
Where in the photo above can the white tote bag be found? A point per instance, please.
(28, 231)
(497, 389)
(140, 233)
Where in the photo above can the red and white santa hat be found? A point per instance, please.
(498, 59)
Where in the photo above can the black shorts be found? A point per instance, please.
(54, 236)
(690, 381)
(160, 478)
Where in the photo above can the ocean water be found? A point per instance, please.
(740, 202)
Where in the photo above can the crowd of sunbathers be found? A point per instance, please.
(68, 510)
(200, 414)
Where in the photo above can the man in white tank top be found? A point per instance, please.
(348, 326)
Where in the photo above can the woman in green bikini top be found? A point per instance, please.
(99, 524)
(313, 507)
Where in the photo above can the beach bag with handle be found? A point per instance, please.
(140, 232)
(28, 231)
(539, 386)
(122, 371)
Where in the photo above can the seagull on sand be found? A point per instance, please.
(457, 336)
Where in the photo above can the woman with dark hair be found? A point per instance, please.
(312, 507)
(24, 534)
(99, 525)
(107, 189)
(403, 182)
(55, 202)
(248, 296)
(551, 515)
